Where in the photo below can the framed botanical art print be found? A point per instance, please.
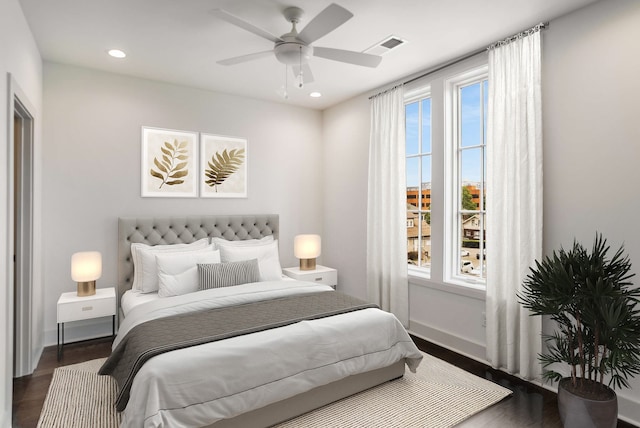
(223, 166)
(169, 163)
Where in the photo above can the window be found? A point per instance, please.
(446, 171)
(418, 167)
(468, 141)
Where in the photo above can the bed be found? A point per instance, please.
(260, 378)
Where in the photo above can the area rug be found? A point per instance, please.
(438, 395)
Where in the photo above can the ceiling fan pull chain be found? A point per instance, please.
(300, 76)
(286, 93)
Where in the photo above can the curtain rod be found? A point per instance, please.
(386, 90)
(530, 31)
(541, 26)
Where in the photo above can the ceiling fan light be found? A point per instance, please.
(292, 53)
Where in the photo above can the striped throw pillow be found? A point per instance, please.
(218, 275)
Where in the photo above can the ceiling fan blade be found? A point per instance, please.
(245, 58)
(239, 22)
(325, 22)
(307, 75)
(351, 57)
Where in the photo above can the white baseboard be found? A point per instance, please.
(7, 419)
(35, 357)
(628, 407)
(80, 330)
(460, 345)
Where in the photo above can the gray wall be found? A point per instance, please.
(592, 135)
(591, 154)
(91, 167)
(346, 141)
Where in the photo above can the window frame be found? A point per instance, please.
(444, 254)
(453, 180)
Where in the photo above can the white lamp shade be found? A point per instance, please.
(86, 266)
(306, 246)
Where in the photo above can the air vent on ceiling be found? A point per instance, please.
(381, 48)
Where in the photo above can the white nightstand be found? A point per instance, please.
(321, 274)
(74, 308)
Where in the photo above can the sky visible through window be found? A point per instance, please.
(473, 132)
(413, 141)
(471, 114)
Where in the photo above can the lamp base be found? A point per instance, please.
(307, 264)
(86, 288)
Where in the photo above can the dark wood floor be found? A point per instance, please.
(29, 391)
(528, 406)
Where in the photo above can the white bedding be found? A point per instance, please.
(131, 299)
(199, 385)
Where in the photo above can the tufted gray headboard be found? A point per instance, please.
(177, 230)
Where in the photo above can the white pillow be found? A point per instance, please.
(242, 242)
(178, 272)
(145, 272)
(265, 252)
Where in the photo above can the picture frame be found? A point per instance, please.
(223, 166)
(169, 163)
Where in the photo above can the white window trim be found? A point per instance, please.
(417, 276)
(417, 94)
(435, 84)
(451, 184)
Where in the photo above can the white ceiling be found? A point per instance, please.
(179, 41)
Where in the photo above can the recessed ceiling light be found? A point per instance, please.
(315, 94)
(117, 53)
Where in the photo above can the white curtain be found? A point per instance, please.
(387, 283)
(514, 201)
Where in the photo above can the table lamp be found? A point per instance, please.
(86, 267)
(307, 248)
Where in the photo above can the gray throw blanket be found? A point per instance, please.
(155, 337)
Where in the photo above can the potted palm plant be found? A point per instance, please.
(591, 299)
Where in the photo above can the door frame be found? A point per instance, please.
(20, 242)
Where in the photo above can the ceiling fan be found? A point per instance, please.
(294, 49)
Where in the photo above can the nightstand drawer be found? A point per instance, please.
(72, 308)
(328, 278)
(321, 275)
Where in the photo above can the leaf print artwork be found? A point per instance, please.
(222, 166)
(169, 163)
(172, 166)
